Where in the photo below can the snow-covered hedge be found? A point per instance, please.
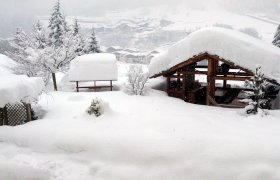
(17, 88)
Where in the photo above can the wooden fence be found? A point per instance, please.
(15, 114)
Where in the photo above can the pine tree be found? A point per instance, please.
(76, 28)
(257, 100)
(78, 38)
(92, 44)
(276, 40)
(57, 26)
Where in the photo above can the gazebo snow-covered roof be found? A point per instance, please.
(19, 88)
(233, 46)
(94, 67)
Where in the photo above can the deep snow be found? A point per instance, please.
(151, 137)
(139, 137)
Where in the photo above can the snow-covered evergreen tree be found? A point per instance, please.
(92, 44)
(57, 26)
(276, 40)
(78, 39)
(257, 100)
(96, 107)
(76, 28)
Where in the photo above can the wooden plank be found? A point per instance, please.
(93, 87)
(233, 74)
(231, 78)
(192, 72)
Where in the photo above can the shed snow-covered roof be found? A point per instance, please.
(94, 67)
(236, 47)
(17, 88)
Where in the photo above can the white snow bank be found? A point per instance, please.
(99, 66)
(12, 171)
(231, 45)
(6, 64)
(152, 137)
(16, 88)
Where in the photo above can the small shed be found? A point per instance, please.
(93, 68)
(16, 94)
(219, 55)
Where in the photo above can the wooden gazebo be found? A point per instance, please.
(183, 78)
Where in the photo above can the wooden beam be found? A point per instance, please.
(211, 80)
(190, 61)
(192, 72)
(234, 74)
(231, 78)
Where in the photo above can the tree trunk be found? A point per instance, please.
(54, 81)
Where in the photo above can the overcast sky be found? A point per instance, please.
(23, 12)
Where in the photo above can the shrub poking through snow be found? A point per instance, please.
(96, 107)
(257, 96)
(137, 80)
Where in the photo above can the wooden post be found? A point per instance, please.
(178, 81)
(5, 115)
(77, 86)
(167, 85)
(111, 85)
(2, 116)
(54, 81)
(94, 82)
(28, 112)
(225, 82)
(210, 81)
(184, 87)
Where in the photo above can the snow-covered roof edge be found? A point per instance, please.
(233, 46)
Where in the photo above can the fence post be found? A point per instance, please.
(1, 116)
(5, 116)
(28, 112)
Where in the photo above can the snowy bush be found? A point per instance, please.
(96, 107)
(137, 80)
(256, 99)
(251, 32)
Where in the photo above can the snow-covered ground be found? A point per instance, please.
(139, 137)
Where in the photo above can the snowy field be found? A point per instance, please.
(139, 137)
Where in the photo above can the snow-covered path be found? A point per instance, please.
(152, 137)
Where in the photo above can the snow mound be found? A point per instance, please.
(17, 88)
(234, 46)
(99, 66)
